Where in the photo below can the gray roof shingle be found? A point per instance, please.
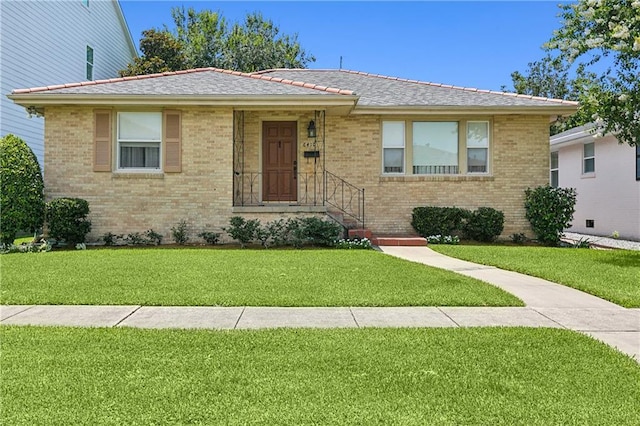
(382, 91)
(373, 91)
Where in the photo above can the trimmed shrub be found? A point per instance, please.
(319, 232)
(428, 221)
(550, 211)
(484, 224)
(22, 190)
(67, 220)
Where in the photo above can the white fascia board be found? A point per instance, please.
(468, 110)
(36, 100)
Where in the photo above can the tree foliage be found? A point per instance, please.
(596, 29)
(205, 39)
(550, 211)
(161, 52)
(21, 189)
(592, 30)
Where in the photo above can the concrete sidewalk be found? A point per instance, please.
(548, 305)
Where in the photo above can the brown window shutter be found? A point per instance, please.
(102, 141)
(172, 142)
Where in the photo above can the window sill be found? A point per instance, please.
(437, 178)
(588, 175)
(137, 175)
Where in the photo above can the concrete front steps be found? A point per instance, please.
(388, 240)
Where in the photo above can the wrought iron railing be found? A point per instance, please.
(345, 197)
(311, 189)
(249, 189)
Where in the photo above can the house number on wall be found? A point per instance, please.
(309, 144)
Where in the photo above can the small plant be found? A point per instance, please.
(354, 244)
(81, 246)
(443, 239)
(319, 232)
(211, 238)
(550, 211)
(180, 232)
(67, 220)
(519, 238)
(111, 239)
(40, 246)
(136, 239)
(242, 230)
(278, 232)
(153, 237)
(615, 235)
(582, 243)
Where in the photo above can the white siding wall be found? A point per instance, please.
(44, 43)
(611, 197)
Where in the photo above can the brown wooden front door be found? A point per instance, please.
(279, 161)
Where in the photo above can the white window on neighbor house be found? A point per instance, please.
(139, 140)
(553, 178)
(477, 146)
(588, 158)
(393, 150)
(89, 63)
(435, 147)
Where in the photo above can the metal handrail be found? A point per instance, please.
(344, 196)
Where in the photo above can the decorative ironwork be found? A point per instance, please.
(238, 157)
(342, 195)
(250, 187)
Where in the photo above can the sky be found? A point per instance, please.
(471, 44)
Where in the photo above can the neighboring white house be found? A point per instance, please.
(606, 176)
(43, 43)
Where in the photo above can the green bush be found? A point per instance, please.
(67, 220)
(211, 238)
(242, 230)
(550, 211)
(484, 224)
(22, 190)
(180, 232)
(319, 232)
(430, 220)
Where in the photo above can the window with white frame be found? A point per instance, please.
(435, 147)
(89, 63)
(588, 158)
(393, 146)
(477, 146)
(139, 140)
(554, 176)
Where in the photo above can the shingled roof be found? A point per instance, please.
(365, 91)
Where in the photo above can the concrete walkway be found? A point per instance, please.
(548, 305)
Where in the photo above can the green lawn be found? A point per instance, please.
(483, 376)
(236, 278)
(613, 275)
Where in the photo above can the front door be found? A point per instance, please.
(279, 161)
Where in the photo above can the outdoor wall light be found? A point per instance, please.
(311, 130)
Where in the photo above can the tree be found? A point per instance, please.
(161, 52)
(597, 29)
(549, 78)
(21, 189)
(204, 39)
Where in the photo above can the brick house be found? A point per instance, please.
(205, 145)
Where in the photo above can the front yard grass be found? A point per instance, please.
(465, 376)
(613, 275)
(197, 277)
